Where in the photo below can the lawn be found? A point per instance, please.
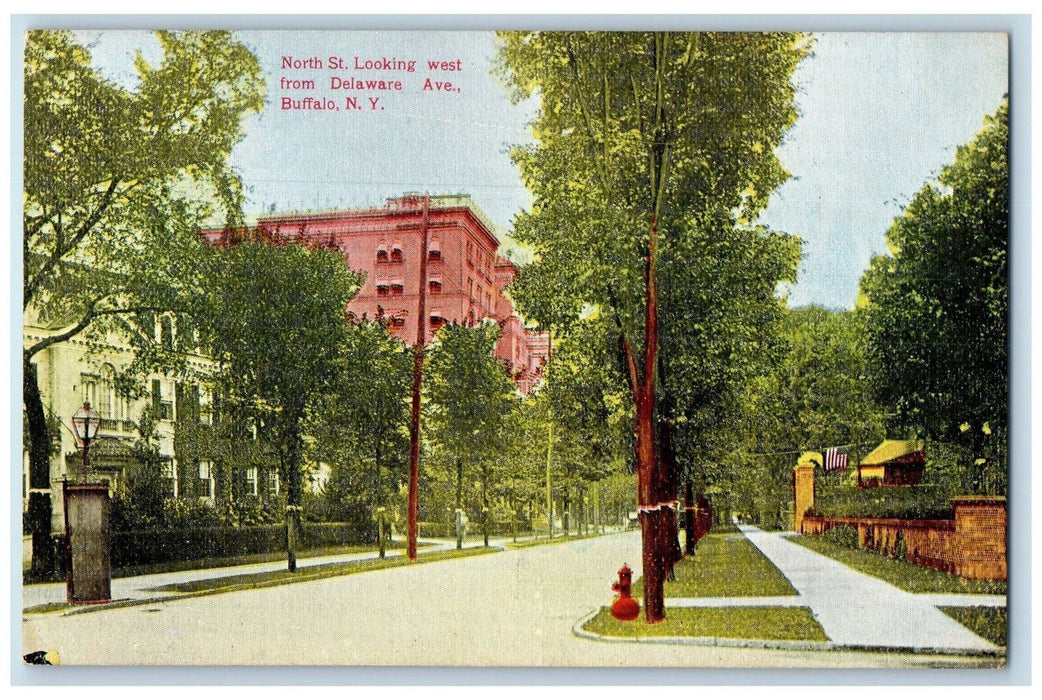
(538, 542)
(988, 622)
(221, 562)
(724, 565)
(311, 573)
(768, 623)
(903, 574)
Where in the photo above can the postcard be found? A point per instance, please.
(669, 349)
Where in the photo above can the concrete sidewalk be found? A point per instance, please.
(137, 588)
(140, 588)
(860, 611)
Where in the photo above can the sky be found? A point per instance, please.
(880, 115)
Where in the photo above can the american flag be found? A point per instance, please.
(835, 459)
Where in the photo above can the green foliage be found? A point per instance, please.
(590, 410)
(116, 183)
(274, 321)
(905, 575)
(813, 393)
(361, 430)
(679, 129)
(842, 536)
(937, 308)
(117, 180)
(470, 403)
(925, 501)
(760, 622)
(725, 565)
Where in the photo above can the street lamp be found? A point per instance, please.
(88, 537)
(86, 422)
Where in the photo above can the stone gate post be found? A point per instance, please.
(804, 500)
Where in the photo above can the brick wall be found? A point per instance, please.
(972, 545)
(980, 522)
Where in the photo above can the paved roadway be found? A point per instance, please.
(513, 608)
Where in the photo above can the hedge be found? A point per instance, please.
(925, 501)
(140, 547)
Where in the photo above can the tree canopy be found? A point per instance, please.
(651, 146)
(116, 181)
(937, 305)
(276, 327)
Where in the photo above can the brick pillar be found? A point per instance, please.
(805, 486)
(980, 530)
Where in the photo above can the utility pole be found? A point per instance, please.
(417, 382)
(549, 443)
(549, 498)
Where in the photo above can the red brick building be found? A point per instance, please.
(466, 275)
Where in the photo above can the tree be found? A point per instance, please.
(814, 394)
(470, 401)
(276, 326)
(363, 426)
(937, 306)
(116, 182)
(640, 138)
(592, 416)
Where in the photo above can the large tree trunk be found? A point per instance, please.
(656, 479)
(293, 500)
(690, 511)
(39, 474)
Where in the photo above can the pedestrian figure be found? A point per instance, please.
(461, 527)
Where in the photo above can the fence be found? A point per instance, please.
(972, 544)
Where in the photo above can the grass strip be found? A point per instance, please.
(222, 562)
(903, 574)
(987, 622)
(767, 623)
(724, 565)
(311, 573)
(524, 544)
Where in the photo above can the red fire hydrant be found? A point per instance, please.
(625, 607)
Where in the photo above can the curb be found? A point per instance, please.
(233, 588)
(578, 629)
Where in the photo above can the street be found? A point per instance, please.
(512, 608)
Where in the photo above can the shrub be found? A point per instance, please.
(924, 501)
(842, 535)
(143, 547)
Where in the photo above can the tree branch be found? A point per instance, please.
(62, 249)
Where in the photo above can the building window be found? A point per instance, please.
(383, 289)
(396, 253)
(436, 321)
(397, 322)
(206, 479)
(106, 393)
(164, 409)
(205, 407)
(435, 286)
(166, 332)
(90, 389)
(273, 482)
(434, 250)
(251, 481)
(470, 253)
(381, 254)
(397, 288)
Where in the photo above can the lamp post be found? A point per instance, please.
(87, 528)
(86, 422)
